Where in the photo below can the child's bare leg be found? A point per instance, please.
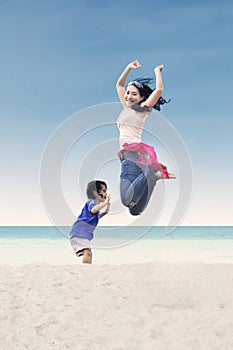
(87, 256)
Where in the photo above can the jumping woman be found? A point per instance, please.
(140, 168)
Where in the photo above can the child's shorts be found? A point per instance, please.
(79, 244)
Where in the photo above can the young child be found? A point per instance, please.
(82, 230)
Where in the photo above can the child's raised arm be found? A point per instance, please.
(106, 211)
(101, 205)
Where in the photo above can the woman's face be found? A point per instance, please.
(132, 96)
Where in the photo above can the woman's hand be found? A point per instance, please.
(120, 85)
(158, 68)
(155, 95)
(134, 65)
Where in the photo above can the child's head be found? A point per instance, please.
(96, 188)
(141, 85)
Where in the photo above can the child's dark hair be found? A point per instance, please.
(145, 91)
(92, 186)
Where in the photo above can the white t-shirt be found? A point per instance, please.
(130, 124)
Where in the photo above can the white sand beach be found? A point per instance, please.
(164, 306)
(59, 252)
(148, 295)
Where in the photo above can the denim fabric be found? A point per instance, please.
(137, 183)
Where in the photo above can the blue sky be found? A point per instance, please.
(59, 57)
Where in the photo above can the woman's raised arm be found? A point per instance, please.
(120, 85)
(155, 95)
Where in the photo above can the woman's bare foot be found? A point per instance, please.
(158, 175)
(170, 176)
(163, 165)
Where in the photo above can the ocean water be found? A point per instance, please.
(118, 245)
(120, 232)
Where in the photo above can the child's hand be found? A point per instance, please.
(134, 65)
(107, 208)
(108, 197)
(158, 68)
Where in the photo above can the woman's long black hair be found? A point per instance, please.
(146, 91)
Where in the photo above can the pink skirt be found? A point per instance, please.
(146, 156)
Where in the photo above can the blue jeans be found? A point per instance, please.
(136, 183)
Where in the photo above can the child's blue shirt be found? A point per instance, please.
(86, 222)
